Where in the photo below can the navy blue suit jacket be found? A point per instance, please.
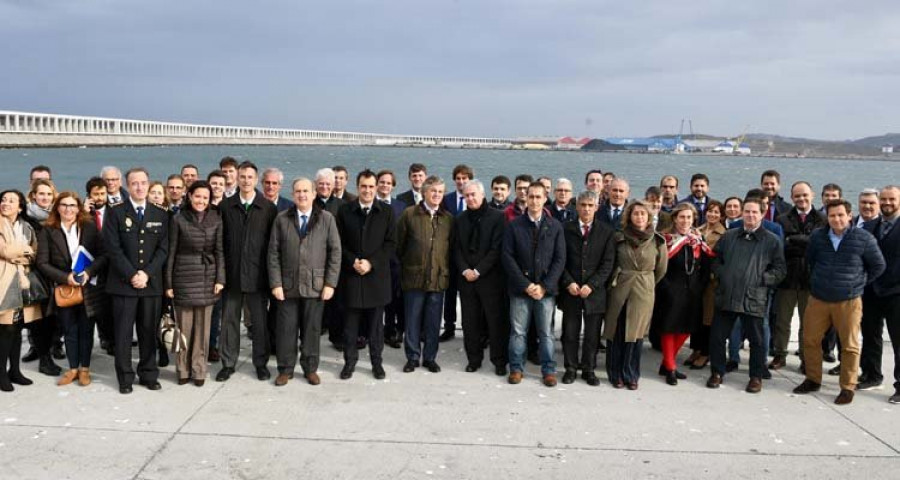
(451, 203)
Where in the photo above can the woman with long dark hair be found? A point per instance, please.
(66, 232)
(640, 264)
(18, 246)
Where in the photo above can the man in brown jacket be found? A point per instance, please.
(304, 264)
(423, 243)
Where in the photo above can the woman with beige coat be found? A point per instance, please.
(18, 244)
(640, 264)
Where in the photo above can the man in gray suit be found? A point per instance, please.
(304, 263)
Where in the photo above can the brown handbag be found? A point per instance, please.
(68, 295)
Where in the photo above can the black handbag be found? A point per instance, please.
(37, 291)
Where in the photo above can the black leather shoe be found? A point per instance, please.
(410, 366)
(829, 357)
(58, 352)
(31, 356)
(262, 373)
(808, 386)
(432, 367)
(671, 379)
(731, 366)
(767, 374)
(125, 389)
(346, 372)
(472, 367)
(591, 378)
(378, 372)
(447, 335)
(224, 374)
(836, 370)
(394, 341)
(151, 385)
(49, 368)
(680, 375)
(569, 377)
(162, 360)
(500, 370)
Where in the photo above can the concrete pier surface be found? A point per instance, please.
(446, 425)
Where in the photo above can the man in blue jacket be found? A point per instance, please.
(842, 259)
(534, 255)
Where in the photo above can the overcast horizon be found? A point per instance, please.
(815, 69)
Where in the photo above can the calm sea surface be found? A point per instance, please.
(728, 175)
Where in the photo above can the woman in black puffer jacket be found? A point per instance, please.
(195, 275)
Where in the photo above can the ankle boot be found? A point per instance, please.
(84, 376)
(15, 372)
(68, 377)
(6, 334)
(47, 367)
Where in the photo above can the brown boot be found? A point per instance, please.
(68, 377)
(84, 376)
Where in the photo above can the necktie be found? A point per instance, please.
(770, 213)
(365, 210)
(585, 229)
(460, 206)
(303, 221)
(98, 220)
(616, 215)
(140, 212)
(802, 218)
(886, 229)
(247, 206)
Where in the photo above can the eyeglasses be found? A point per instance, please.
(68, 205)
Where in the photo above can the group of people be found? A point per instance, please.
(374, 268)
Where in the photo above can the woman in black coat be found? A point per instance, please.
(679, 295)
(68, 228)
(194, 278)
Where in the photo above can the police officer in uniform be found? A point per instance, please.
(136, 237)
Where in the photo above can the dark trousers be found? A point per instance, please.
(104, 323)
(296, 315)
(334, 320)
(423, 315)
(878, 311)
(450, 301)
(353, 321)
(700, 340)
(215, 323)
(623, 359)
(230, 335)
(394, 312)
(142, 314)
(722, 325)
(483, 316)
(79, 335)
(572, 322)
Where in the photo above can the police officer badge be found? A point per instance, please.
(128, 222)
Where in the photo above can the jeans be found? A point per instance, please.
(423, 314)
(79, 335)
(738, 334)
(522, 310)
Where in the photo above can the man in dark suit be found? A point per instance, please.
(500, 187)
(114, 191)
(881, 300)
(868, 207)
(394, 313)
(417, 175)
(562, 207)
(477, 245)
(341, 177)
(334, 312)
(610, 212)
(699, 196)
(247, 219)
(454, 202)
(366, 227)
(272, 181)
(136, 237)
(770, 182)
(590, 255)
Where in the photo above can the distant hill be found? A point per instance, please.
(888, 138)
(781, 145)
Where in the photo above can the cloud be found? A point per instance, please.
(498, 68)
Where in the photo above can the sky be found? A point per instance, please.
(515, 68)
